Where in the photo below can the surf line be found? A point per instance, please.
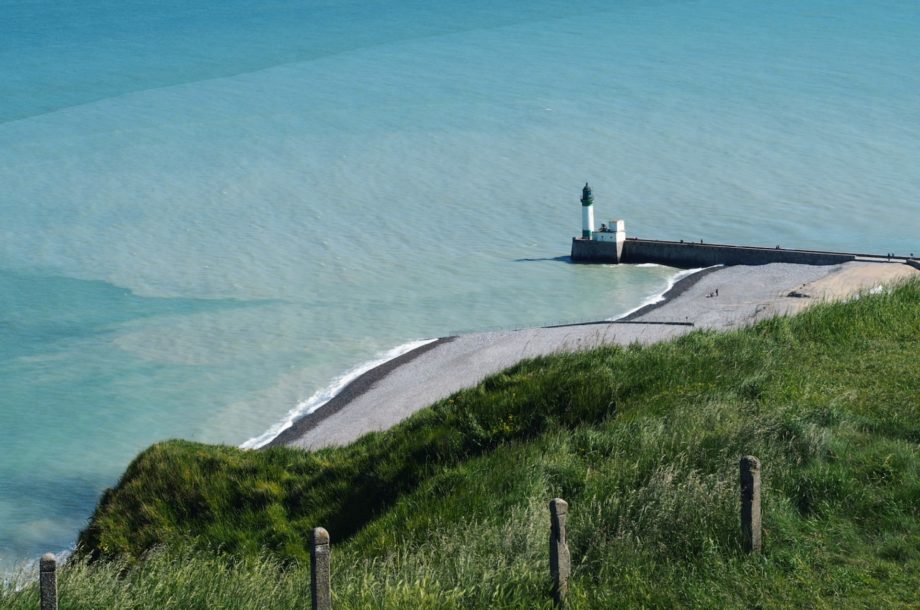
(321, 397)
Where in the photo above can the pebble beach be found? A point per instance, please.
(720, 298)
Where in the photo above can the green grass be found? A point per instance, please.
(449, 509)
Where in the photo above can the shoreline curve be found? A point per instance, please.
(364, 382)
(358, 386)
(712, 299)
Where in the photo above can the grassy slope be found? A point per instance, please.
(449, 509)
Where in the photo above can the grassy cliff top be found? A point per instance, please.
(448, 509)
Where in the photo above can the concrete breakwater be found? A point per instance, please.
(690, 255)
(609, 244)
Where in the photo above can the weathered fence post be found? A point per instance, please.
(47, 581)
(320, 578)
(560, 565)
(750, 504)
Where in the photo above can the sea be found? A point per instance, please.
(214, 213)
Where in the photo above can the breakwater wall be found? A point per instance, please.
(688, 255)
(913, 263)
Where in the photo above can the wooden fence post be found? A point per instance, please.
(320, 578)
(750, 504)
(560, 565)
(47, 581)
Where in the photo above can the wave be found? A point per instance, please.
(659, 296)
(19, 575)
(326, 394)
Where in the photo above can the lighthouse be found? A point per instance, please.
(587, 213)
(591, 240)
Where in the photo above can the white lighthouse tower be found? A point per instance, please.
(587, 213)
(613, 233)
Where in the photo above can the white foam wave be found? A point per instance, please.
(19, 575)
(659, 296)
(326, 394)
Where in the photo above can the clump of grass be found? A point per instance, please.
(449, 508)
(179, 578)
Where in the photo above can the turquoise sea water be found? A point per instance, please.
(210, 211)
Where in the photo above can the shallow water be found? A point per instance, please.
(210, 211)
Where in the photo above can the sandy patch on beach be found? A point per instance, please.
(855, 278)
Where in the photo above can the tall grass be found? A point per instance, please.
(449, 509)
